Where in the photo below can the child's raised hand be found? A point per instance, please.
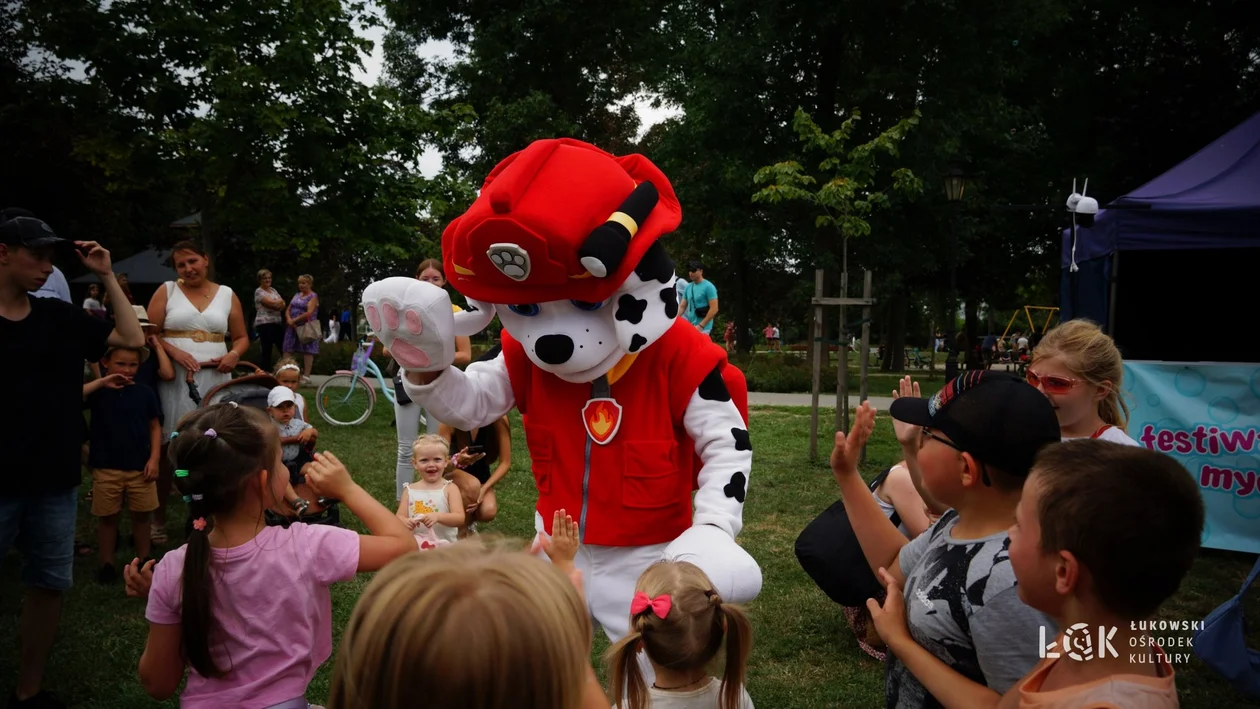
(908, 435)
(848, 449)
(890, 619)
(138, 579)
(328, 476)
(563, 545)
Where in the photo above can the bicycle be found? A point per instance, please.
(347, 398)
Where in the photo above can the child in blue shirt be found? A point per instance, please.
(124, 448)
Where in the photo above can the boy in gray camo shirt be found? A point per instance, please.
(959, 635)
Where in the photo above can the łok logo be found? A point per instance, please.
(1078, 644)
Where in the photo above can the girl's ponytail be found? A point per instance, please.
(195, 615)
(738, 643)
(626, 688)
(215, 452)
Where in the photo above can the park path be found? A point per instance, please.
(756, 398)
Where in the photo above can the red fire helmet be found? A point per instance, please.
(521, 240)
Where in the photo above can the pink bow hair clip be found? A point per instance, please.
(659, 605)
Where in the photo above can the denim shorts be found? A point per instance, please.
(42, 527)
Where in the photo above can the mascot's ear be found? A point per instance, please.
(646, 304)
(474, 318)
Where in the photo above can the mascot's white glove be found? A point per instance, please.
(734, 573)
(414, 320)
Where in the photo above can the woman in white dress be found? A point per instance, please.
(198, 318)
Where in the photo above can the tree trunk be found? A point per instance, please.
(740, 311)
(971, 327)
(895, 340)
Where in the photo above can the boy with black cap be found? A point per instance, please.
(961, 620)
(43, 344)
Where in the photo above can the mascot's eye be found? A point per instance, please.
(529, 310)
(584, 305)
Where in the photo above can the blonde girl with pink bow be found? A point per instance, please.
(681, 623)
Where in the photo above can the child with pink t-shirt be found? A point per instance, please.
(246, 606)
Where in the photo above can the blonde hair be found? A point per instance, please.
(508, 630)
(1092, 355)
(263, 273)
(286, 363)
(307, 277)
(430, 440)
(688, 637)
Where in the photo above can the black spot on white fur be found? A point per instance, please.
(670, 297)
(637, 341)
(735, 488)
(713, 388)
(655, 265)
(630, 309)
(741, 439)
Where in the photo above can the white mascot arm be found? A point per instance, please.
(715, 425)
(414, 320)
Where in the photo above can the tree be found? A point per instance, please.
(528, 70)
(253, 110)
(846, 194)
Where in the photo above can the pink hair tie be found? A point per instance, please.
(211, 433)
(199, 524)
(659, 605)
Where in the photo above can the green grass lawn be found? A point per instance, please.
(804, 654)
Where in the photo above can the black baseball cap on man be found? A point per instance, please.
(21, 228)
(996, 417)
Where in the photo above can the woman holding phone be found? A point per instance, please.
(483, 460)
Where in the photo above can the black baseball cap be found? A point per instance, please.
(694, 265)
(997, 417)
(20, 227)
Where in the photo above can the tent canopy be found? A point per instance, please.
(148, 266)
(1211, 200)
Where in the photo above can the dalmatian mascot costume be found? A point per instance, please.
(627, 409)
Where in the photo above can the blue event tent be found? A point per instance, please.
(1209, 204)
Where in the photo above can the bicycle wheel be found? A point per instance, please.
(345, 400)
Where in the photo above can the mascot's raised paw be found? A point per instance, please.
(414, 320)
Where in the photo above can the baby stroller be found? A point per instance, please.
(251, 390)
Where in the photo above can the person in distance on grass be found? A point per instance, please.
(244, 604)
(978, 438)
(472, 625)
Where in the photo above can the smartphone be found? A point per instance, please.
(474, 450)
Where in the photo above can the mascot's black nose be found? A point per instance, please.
(554, 349)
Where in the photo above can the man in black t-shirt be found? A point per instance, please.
(43, 343)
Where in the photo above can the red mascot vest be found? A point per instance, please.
(638, 485)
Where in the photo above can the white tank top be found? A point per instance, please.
(420, 502)
(888, 509)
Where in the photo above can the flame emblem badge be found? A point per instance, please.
(602, 418)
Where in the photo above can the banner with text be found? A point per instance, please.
(1208, 417)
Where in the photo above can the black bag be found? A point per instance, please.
(400, 392)
(828, 550)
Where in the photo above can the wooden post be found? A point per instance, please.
(817, 366)
(842, 364)
(866, 342)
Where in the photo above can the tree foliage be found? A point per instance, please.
(846, 191)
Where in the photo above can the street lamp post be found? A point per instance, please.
(955, 180)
